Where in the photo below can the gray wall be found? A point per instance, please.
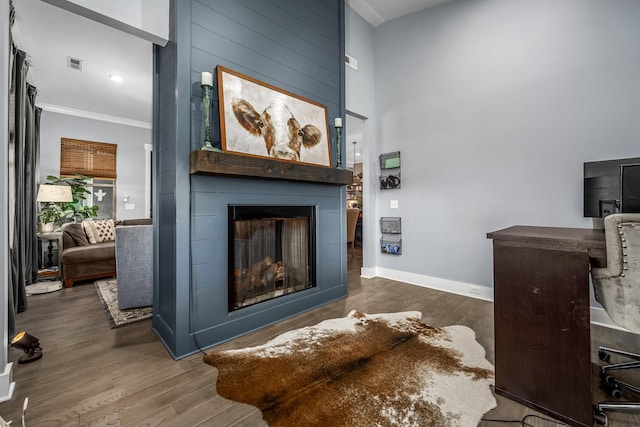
(361, 99)
(495, 105)
(360, 96)
(130, 158)
(296, 46)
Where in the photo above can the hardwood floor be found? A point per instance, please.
(91, 375)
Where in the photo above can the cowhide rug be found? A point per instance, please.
(362, 370)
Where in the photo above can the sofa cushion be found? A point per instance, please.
(77, 234)
(99, 231)
(89, 253)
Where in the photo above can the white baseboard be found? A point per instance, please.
(454, 287)
(7, 386)
(367, 272)
(600, 317)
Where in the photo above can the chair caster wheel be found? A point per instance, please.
(603, 355)
(607, 379)
(600, 417)
(615, 392)
(609, 386)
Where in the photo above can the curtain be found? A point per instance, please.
(32, 177)
(24, 151)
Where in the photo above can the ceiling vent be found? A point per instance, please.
(73, 63)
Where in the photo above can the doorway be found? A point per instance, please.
(354, 161)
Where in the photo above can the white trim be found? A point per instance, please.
(95, 116)
(367, 12)
(146, 19)
(601, 318)
(148, 148)
(6, 385)
(451, 286)
(367, 272)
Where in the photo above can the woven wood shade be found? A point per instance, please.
(94, 159)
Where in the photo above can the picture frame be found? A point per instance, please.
(260, 120)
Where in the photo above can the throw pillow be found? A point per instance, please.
(99, 231)
(77, 233)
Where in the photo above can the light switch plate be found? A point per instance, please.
(394, 204)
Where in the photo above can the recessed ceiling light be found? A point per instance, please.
(116, 78)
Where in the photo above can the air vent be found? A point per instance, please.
(74, 63)
(351, 61)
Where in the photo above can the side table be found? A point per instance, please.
(50, 237)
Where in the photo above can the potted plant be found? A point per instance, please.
(51, 215)
(77, 209)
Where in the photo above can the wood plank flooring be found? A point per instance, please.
(91, 375)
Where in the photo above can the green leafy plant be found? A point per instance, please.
(51, 212)
(77, 209)
(85, 212)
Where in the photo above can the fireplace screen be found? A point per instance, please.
(271, 252)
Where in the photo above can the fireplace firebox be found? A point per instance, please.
(271, 252)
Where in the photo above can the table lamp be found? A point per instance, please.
(53, 194)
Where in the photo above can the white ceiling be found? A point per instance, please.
(50, 35)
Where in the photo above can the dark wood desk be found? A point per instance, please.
(542, 318)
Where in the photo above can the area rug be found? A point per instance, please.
(108, 294)
(362, 370)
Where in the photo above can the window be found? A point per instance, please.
(103, 195)
(96, 160)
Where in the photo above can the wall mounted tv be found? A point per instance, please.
(611, 186)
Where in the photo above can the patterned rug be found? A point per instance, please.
(362, 370)
(108, 294)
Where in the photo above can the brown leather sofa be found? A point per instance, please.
(82, 260)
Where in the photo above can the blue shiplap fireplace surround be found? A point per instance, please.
(294, 45)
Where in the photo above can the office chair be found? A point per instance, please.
(617, 289)
(352, 222)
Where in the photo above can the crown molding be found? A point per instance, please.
(368, 13)
(95, 116)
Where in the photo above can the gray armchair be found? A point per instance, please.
(134, 266)
(617, 288)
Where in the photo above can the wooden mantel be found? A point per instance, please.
(218, 163)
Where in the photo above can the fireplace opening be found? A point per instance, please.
(271, 252)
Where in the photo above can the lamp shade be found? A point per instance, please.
(54, 193)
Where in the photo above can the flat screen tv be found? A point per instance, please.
(611, 186)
